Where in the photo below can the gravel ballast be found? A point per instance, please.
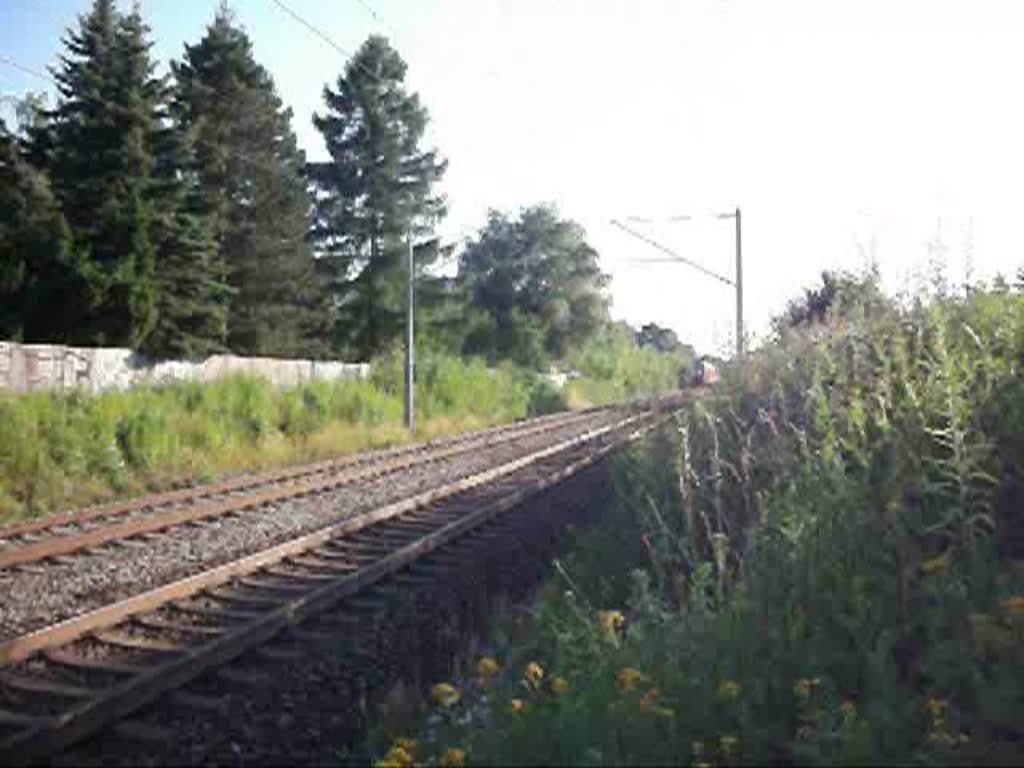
(90, 580)
(315, 709)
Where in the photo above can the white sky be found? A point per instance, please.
(831, 124)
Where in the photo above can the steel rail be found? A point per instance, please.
(19, 648)
(63, 545)
(127, 506)
(43, 735)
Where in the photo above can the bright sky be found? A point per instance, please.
(839, 128)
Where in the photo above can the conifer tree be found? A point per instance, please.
(253, 187)
(37, 273)
(99, 157)
(375, 189)
(191, 278)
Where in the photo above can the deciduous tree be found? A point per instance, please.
(535, 285)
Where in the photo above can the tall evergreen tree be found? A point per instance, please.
(252, 185)
(376, 188)
(191, 277)
(99, 156)
(37, 273)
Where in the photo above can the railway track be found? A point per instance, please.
(57, 536)
(64, 682)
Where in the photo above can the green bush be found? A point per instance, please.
(613, 368)
(823, 566)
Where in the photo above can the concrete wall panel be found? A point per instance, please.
(34, 367)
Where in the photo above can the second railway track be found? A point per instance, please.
(64, 682)
(61, 535)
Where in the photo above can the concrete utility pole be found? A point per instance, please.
(739, 287)
(410, 352)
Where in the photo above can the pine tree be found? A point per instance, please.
(191, 278)
(253, 187)
(375, 190)
(37, 272)
(98, 152)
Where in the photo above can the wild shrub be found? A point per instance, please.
(822, 564)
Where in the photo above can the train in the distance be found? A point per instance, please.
(704, 373)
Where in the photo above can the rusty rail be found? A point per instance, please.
(339, 473)
(325, 567)
(127, 506)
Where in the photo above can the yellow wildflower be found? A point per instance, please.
(936, 707)
(936, 564)
(533, 673)
(395, 757)
(805, 685)
(487, 668)
(409, 745)
(849, 710)
(611, 621)
(729, 689)
(648, 704)
(517, 706)
(647, 700)
(628, 677)
(1014, 605)
(453, 757)
(445, 694)
(729, 743)
(558, 685)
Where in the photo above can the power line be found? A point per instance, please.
(377, 17)
(322, 35)
(28, 70)
(643, 220)
(326, 38)
(675, 256)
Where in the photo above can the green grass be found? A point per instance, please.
(823, 568)
(59, 450)
(613, 368)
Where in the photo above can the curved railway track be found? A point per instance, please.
(34, 541)
(64, 682)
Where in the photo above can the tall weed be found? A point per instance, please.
(824, 565)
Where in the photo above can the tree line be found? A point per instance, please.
(177, 215)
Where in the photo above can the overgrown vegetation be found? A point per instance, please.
(613, 367)
(64, 449)
(58, 450)
(822, 565)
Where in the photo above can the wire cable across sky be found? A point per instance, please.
(674, 256)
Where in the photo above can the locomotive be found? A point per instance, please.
(704, 373)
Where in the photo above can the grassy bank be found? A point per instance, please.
(825, 568)
(62, 450)
(613, 368)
